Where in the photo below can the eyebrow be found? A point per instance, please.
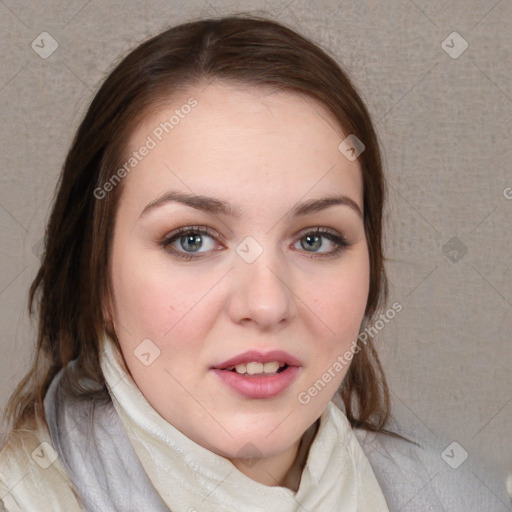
(217, 206)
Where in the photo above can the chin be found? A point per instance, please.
(245, 440)
(247, 447)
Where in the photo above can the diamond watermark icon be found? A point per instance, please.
(454, 45)
(147, 352)
(44, 45)
(351, 147)
(249, 453)
(45, 455)
(38, 249)
(249, 249)
(454, 250)
(454, 455)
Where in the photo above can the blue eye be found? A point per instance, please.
(192, 241)
(189, 242)
(315, 240)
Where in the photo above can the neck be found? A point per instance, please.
(283, 469)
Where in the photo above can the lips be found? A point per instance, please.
(260, 386)
(259, 357)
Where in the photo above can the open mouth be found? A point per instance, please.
(256, 383)
(259, 375)
(258, 369)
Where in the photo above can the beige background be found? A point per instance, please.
(445, 125)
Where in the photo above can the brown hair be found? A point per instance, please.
(72, 284)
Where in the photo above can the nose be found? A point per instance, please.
(262, 293)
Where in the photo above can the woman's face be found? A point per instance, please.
(259, 265)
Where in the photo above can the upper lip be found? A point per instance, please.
(260, 357)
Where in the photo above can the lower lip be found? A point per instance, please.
(264, 386)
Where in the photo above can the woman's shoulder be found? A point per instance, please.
(32, 477)
(420, 476)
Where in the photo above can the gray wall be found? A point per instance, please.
(445, 123)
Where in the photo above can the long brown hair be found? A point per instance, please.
(71, 289)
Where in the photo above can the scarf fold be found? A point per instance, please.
(123, 456)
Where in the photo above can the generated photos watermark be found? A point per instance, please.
(157, 135)
(343, 360)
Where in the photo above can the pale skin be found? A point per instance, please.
(263, 153)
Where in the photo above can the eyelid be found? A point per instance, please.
(167, 240)
(194, 229)
(340, 241)
(322, 230)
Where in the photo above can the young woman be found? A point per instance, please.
(212, 261)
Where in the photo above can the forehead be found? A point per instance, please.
(223, 139)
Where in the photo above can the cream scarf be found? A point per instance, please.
(189, 478)
(97, 469)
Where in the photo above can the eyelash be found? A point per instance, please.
(340, 241)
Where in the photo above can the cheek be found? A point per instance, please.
(148, 298)
(154, 299)
(160, 307)
(341, 298)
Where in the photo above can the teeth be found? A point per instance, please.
(254, 368)
(271, 367)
